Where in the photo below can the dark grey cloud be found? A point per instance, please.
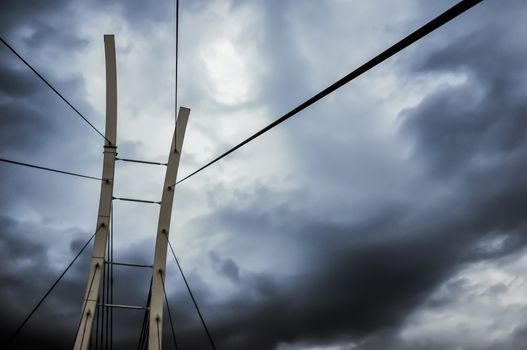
(26, 274)
(140, 13)
(24, 126)
(45, 35)
(33, 117)
(36, 127)
(225, 267)
(357, 276)
(375, 274)
(16, 13)
(479, 121)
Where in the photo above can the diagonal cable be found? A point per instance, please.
(143, 336)
(192, 297)
(437, 22)
(19, 328)
(52, 88)
(169, 312)
(48, 169)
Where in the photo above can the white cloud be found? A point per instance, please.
(482, 304)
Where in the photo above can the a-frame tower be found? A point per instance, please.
(98, 260)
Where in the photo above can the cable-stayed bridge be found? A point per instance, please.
(95, 326)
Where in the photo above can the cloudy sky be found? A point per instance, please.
(389, 215)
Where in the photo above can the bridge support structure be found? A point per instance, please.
(157, 291)
(89, 305)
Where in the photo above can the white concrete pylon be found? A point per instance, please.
(82, 339)
(155, 327)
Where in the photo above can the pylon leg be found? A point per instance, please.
(91, 295)
(155, 328)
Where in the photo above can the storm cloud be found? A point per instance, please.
(387, 216)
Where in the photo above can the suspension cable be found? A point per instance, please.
(143, 337)
(48, 169)
(192, 296)
(437, 22)
(52, 88)
(169, 312)
(19, 328)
